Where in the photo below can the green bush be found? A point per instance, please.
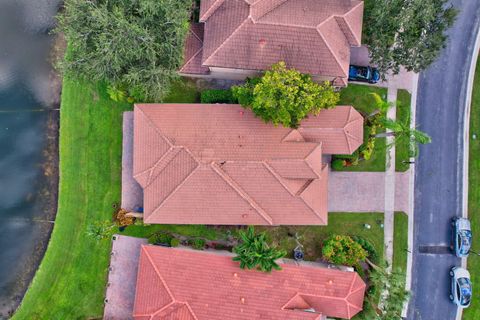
(338, 164)
(372, 253)
(285, 96)
(174, 242)
(198, 244)
(343, 250)
(217, 96)
(160, 238)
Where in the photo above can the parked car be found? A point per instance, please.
(462, 234)
(365, 74)
(461, 293)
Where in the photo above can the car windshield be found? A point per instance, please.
(466, 240)
(465, 291)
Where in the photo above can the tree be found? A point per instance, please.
(408, 33)
(391, 285)
(254, 252)
(343, 250)
(285, 96)
(401, 130)
(129, 44)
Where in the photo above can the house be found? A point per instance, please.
(239, 38)
(220, 165)
(187, 284)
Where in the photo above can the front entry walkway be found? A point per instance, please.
(365, 191)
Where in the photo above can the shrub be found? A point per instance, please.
(198, 243)
(100, 230)
(372, 253)
(217, 96)
(338, 164)
(160, 238)
(254, 252)
(122, 219)
(343, 250)
(285, 96)
(174, 242)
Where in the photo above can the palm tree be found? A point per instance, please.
(392, 286)
(401, 130)
(254, 252)
(381, 106)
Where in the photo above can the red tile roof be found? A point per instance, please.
(184, 284)
(219, 164)
(312, 36)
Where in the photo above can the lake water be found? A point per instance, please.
(28, 142)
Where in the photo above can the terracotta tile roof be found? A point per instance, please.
(219, 164)
(340, 129)
(184, 284)
(193, 51)
(313, 36)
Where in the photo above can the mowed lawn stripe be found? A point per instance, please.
(71, 279)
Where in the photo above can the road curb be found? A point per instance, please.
(411, 194)
(466, 140)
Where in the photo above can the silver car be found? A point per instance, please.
(462, 234)
(461, 294)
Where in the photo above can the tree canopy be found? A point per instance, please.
(135, 45)
(254, 252)
(408, 33)
(343, 250)
(285, 96)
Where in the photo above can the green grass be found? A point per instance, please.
(401, 147)
(341, 223)
(473, 312)
(70, 281)
(183, 91)
(360, 97)
(400, 241)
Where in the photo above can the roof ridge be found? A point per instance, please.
(205, 62)
(328, 45)
(265, 13)
(297, 195)
(150, 260)
(193, 57)
(208, 13)
(172, 154)
(241, 192)
(360, 3)
(155, 128)
(175, 189)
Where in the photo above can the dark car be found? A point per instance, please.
(462, 235)
(365, 74)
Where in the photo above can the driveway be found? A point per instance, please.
(438, 181)
(364, 191)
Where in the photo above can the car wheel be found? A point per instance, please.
(451, 297)
(451, 273)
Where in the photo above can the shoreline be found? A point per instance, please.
(47, 194)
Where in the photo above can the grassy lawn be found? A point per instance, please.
(473, 312)
(403, 112)
(183, 91)
(71, 279)
(359, 96)
(400, 241)
(341, 223)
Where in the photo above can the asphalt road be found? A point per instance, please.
(438, 181)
